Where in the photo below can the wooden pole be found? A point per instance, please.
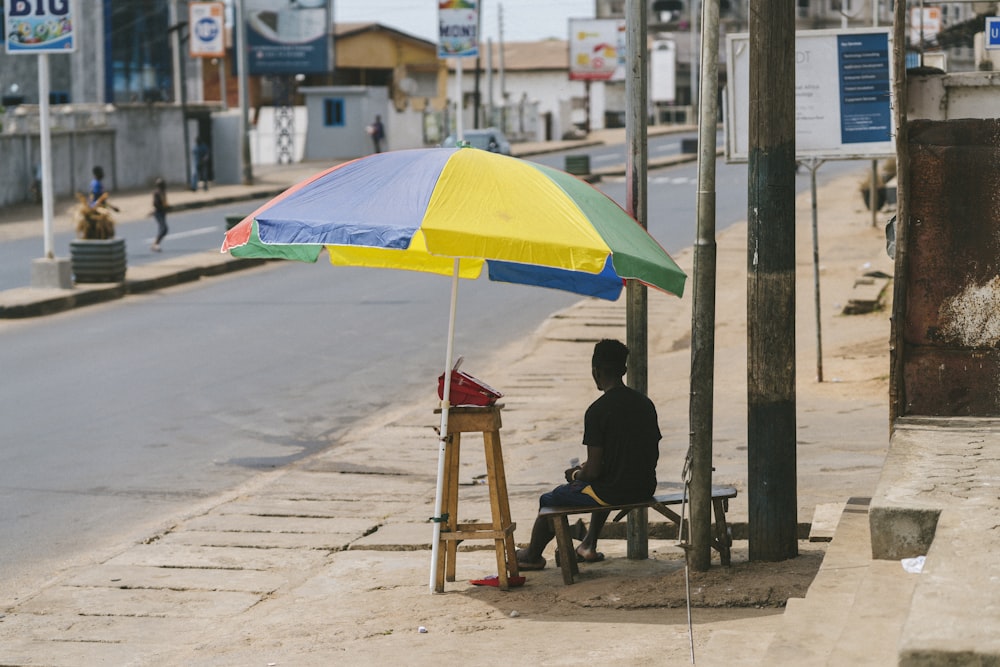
(897, 390)
(637, 533)
(771, 284)
(699, 557)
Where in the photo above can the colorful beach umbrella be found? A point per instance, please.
(453, 211)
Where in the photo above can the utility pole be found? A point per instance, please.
(477, 104)
(244, 86)
(771, 284)
(636, 317)
(699, 557)
(503, 81)
(179, 40)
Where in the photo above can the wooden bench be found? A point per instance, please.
(559, 516)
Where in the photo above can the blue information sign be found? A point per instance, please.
(865, 88)
(993, 32)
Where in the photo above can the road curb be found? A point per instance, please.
(25, 302)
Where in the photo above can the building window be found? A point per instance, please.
(333, 112)
(138, 52)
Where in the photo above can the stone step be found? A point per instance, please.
(854, 610)
(873, 629)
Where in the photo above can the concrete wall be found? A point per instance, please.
(946, 329)
(960, 95)
(361, 104)
(134, 143)
(550, 89)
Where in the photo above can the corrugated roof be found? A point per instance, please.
(347, 29)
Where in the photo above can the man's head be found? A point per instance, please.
(609, 363)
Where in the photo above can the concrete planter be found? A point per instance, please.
(98, 261)
(880, 197)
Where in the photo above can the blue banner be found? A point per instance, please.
(865, 88)
(288, 40)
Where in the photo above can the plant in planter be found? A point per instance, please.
(96, 256)
(886, 174)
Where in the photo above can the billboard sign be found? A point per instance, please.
(596, 49)
(663, 71)
(292, 38)
(925, 24)
(458, 29)
(843, 95)
(208, 36)
(40, 26)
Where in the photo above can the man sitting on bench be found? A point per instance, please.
(622, 436)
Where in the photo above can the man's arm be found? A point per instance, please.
(591, 468)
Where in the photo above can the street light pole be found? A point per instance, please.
(241, 63)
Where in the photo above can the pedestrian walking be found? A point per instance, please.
(377, 132)
(97, 196)
(159, 212)
(199, 172)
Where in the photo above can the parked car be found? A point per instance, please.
(488, 139)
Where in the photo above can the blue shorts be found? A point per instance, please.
(568, 495)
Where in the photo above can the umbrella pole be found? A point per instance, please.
(443, 434)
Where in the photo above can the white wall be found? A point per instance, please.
(551, 89)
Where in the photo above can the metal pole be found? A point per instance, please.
(503, 79)
(222, 83)
(443, 435)
(699, 556)
(244, 82)
(189, 167)
(694, 58)
(489, 82)
(477, 106)
(874, 182)
(459, 129)
(176, 44)
(813, 165)
(46, 148)
(635, 203)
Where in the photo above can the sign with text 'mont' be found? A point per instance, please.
(458, 29)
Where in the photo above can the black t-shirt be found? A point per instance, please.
(622, 422)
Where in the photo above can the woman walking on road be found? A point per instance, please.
(159, 212)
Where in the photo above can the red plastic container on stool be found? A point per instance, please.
(467, 390)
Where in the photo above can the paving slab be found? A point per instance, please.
(824, 521)
(273, 504)
(178, 578)
(396, 536)
(221, 558)
(249, 523)
(29, 653)
(115, 629)
(102, 601)
(261, 540)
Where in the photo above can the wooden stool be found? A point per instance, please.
(484, 420)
